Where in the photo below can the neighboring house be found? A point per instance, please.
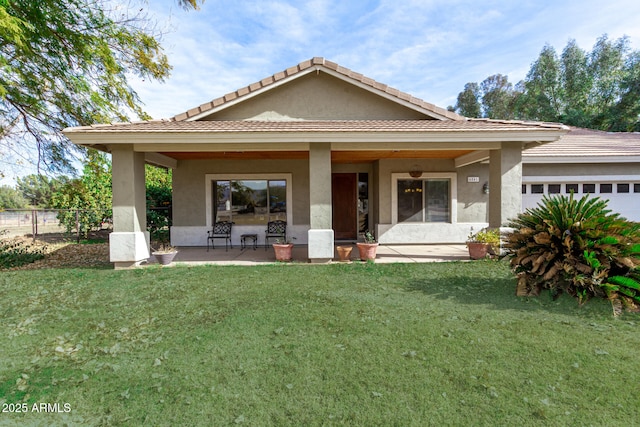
(330, 151)
(585, 161)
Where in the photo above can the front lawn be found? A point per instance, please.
(358, 344)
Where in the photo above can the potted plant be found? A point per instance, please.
(368, 248)
(344, 253)
(483, 243)
(283, 248)
(161, 249)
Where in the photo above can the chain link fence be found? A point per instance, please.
(69, 223)
(41, 223)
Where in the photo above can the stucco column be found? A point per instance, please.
(505, 184)
(129, 241)
(320, 235)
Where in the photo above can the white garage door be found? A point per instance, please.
(622, 194)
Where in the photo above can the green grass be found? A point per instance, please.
(358, 344)
(96, 241)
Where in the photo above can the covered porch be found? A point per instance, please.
(249, 256)
(329, 151)
(492, 156)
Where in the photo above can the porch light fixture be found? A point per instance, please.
(415, 172)
(485, 188)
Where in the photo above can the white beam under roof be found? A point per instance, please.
(471, 158)
(161, 160)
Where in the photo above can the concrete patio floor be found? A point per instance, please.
(385, 254)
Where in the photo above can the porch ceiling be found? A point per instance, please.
(336, 156)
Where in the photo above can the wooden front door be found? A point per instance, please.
(344, 198)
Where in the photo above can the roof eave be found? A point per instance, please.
(575, 159)
(98, 137)
(234, 98)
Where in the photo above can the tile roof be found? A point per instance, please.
(586, 144)
(215, 126)
(316, 63)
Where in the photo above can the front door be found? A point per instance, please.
(344, 198)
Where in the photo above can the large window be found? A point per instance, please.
(249, 201)
(424, 200)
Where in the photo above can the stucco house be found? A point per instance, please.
(326, 149)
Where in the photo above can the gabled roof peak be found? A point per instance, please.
(318, 63)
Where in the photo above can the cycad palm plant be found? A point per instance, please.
(578, 247)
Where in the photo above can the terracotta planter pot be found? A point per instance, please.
(165, 258)
(283, 251)
(344, 252)
(478, 250)
(367, 251)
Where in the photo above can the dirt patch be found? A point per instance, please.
(62, 237)
(68, 255)
(62, 252)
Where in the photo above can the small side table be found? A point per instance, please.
(243, 241)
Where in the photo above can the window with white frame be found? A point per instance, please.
(249, 201)
(423, 200)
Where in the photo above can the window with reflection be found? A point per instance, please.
(606, 188)
(554, 188)
(250, 201)
(571, 188)
(363, 202)
(424, 200)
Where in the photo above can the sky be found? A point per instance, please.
(427, 48)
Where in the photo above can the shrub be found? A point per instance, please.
(158, 226)
(89, 197)
(578, 247)
(490, 236)
(15, 252)
(159, 196)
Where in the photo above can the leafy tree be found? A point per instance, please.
(576, 81)
(65, 63)
(626, 112)
(468, 103)
(543, 89)
(159, 196)
(38, 189)
(89, 196)
(10, 198)
(598, 89)
(158, 186)
(605, 66)
(190, 4)
(497, 97)
(494, 98)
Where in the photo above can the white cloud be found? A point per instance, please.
(427, 48)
